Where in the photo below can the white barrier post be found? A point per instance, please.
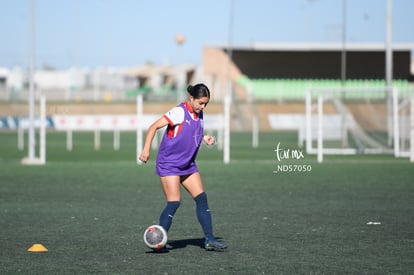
(97, 139)
(139, 126)
(226, 151)
(117, 143)
(69, 142)
(320, 129)
(42, 134)
(395, 122)
(154, 144)
(220, 138)
(42, 144)
(255, 132)
(20, 137)
(308, 120)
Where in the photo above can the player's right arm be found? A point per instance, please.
(145, 154)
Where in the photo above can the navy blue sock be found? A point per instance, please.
(204, 215)
(168, 214)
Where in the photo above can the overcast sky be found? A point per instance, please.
(123, 33)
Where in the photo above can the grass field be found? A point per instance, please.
(90, 208)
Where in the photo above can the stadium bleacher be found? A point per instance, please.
(295, 89)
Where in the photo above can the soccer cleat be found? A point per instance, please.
(215, 245)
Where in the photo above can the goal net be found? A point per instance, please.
(357, 120)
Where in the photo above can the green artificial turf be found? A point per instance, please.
(349, 214)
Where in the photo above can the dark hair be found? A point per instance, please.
(198, 91)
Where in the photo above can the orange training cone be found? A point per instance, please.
(37, 248)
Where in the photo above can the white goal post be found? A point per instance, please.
(406, 118)
(39, 123)
(357, 120)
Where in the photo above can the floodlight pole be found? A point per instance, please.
(32, 137)
(388, 53)
(343, 71)
(228, 95)
(388, 70)
(343, 52)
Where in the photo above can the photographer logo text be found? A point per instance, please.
(290, 154)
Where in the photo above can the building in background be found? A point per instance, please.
(253, 72)
(100, 84)
(283, 71)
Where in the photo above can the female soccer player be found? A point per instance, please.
(175, 164)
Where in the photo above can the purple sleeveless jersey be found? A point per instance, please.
(176, 155)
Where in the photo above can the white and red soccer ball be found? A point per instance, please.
(155, 237)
